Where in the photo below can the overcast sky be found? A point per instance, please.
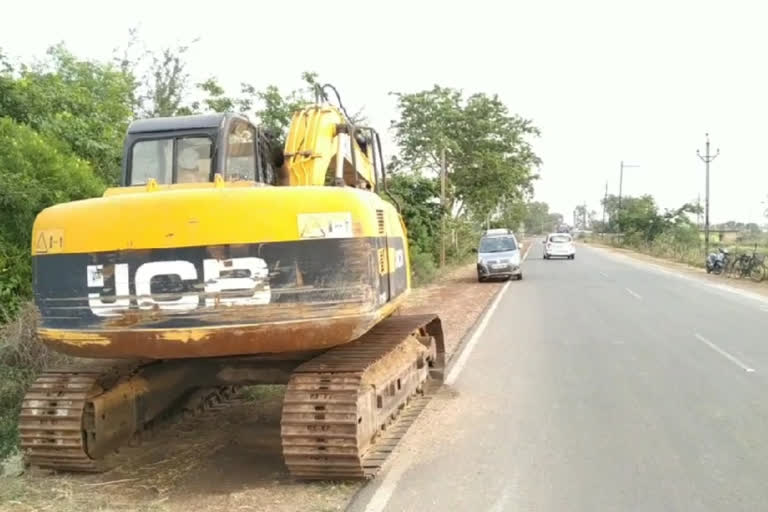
(605, 81)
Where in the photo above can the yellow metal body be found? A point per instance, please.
(200, 214)
(295, 231)
(314, 141)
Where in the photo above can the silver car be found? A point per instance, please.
(498, 256)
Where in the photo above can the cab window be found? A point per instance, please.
(241, 153)
(193, 160)
(152, 159)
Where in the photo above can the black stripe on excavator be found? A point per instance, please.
(317, 271)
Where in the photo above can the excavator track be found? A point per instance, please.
(57, 422)
(345, 410)
(54, 413)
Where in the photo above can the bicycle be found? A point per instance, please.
(756, 267)
(736, 265)
(746, 265)
(728, 264)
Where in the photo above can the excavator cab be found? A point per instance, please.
(193, 149)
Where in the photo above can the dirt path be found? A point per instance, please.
(229, 459)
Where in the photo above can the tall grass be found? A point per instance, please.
(688, 251)
(22, 358)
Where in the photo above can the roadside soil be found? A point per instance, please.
(229, 458)
(688, 270)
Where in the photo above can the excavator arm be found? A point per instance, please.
(322, 138)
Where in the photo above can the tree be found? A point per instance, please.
(277, 109)
(581, 217)
(167, 84)
(538, 218)
(274, 109)
(84, 104)
(418, 199)
(641, 221)
(510, 215)
(160, 78)
(36, 171)
(162, 86)
(488, 157)
(554, 221)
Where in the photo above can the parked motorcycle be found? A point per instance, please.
(717, 261)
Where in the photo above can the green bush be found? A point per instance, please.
(423, 267)
(35, 172)
(462, 237)
(15, 278)
(417, 196)
(13, 385)
(84, 105)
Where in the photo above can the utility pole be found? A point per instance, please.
(698, 211)
(605, 200)
(443, 204)
(707, 158)
(621, 184)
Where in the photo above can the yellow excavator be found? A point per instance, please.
(216, 264)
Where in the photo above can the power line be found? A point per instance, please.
(707, 158)
(621, 184)
(605, 200)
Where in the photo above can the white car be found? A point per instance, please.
(559, 245)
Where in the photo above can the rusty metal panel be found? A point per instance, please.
(214, 301)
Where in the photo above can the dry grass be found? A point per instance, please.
(262, 392)
(22, 358)
(66, 495)
(21, 348)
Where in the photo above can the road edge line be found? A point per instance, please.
(701, 280)
(466, 349)
(390, 479)
(386, 488)
(471, 331)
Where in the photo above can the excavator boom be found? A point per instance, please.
(321, 138)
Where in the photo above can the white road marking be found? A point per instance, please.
(695, 279)
(723, 353)
(401, 463)
(382, 495)
(384, 492)
(464, 356)
(500, 505)
(634, 294)
(603, 274)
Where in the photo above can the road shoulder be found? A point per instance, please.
(231, 458)
(758, 291)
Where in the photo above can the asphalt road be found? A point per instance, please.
(598, 384)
